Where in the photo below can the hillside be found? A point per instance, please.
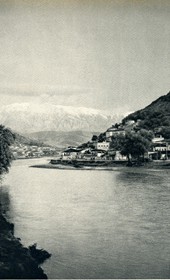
(20, 139)
(62, 139)
(155, 116)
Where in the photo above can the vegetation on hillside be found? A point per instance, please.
(155, 117)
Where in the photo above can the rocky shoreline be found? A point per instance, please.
(17, 261)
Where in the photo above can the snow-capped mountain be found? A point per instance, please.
(27, 118)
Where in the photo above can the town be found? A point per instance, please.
(25, 151)
(106, 147)
(102, 149)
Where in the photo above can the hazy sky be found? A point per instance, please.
(102, 54)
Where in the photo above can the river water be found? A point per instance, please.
(96, 224)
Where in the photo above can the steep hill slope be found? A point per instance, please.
(155, 116)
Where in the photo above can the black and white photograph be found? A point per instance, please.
(84, 139)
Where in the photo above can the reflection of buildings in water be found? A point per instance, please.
(5, 201)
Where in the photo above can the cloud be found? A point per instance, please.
(41, 90)
(37, 88)
(56, 94)
(66, 96)
(17, 90)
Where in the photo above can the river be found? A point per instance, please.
(97, 224)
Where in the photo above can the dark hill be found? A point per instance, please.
(155, 116)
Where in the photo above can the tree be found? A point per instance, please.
(136, 144)
(102, 137)
(165, 131)
(148, 134)
(94, 138)
(6, 139)
(117, 142)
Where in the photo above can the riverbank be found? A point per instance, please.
(101, 165)
(17, 261)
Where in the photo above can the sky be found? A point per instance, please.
(104, 54)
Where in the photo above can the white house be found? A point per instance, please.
(103, 145)
(119, 156)
(113, 131)
(157, 139)
(69, 154)
(160, 146)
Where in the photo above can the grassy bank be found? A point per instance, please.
(16, 261)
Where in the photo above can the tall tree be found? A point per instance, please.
(117, 142)
(6, 139)
(136, 144)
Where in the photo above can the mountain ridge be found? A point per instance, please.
(62, 139)
(28, 118)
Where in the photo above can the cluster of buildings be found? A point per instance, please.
(21, 151)
(160, 148)
(89, 153)
(100, 148)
